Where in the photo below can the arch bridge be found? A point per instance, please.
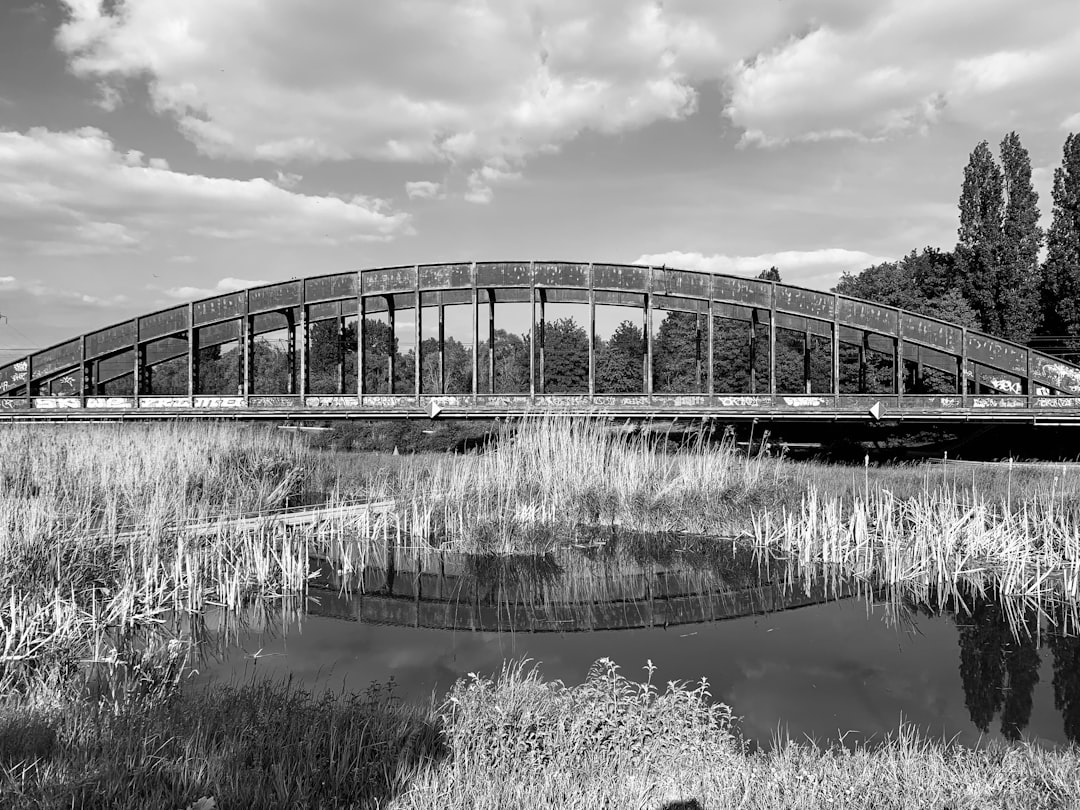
(480, 339)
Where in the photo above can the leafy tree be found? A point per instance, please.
(511, 364)
(566, 357)
(679, 353)
(219, 371)
(619, 361)
(457, 366)
(270, 371)
(1018, 280)
(888, 283)
(978, 251)
(1061, 271)
(379, 342)
(772, 274)
(731, 356)
(331, 348)
(169, 378)
(952, 307)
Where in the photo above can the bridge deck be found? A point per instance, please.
(1029, 410)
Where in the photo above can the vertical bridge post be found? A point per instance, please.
(532, 333)
(898, 364)
(836, 351)
(475, 336)
(360, 335)
(592, 335)
(418, 358)
(772, 342)
(193, 356)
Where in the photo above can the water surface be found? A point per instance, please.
(823, 659)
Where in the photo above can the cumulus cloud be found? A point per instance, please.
(907, 66)
(35, 289)
(75, 193)
(225, 285)
(481, 182)
(811, 268)
(417, 80)
(424, 190)
(504, 80)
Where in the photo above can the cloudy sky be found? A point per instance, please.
(152, 151)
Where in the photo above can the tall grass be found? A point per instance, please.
(92, 539)
(510, 740)
(551, 476)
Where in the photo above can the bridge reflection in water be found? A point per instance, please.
(494, 338)
(565, 592)
(1012, 655)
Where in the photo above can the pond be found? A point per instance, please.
(795, 654)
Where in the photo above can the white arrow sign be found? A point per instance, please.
(875, 411)
(434, 409)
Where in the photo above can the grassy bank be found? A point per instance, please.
(511, 741)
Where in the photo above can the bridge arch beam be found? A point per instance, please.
(389, 341)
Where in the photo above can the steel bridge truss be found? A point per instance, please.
(114, 372)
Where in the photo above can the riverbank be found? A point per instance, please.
(93, 546)
(93, 553)
(514, 740)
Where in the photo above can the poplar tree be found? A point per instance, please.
(1018, 280)
(979, 246)
(1061, 272)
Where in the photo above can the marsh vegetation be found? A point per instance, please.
(107, 534)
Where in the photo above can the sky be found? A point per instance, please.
(154, 151)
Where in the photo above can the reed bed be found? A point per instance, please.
(93, 537)
(509, 740)
(552, 477)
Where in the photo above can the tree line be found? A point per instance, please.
(993, 280)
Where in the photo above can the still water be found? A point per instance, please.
(804, 658)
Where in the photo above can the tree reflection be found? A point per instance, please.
(982, 637)
(1022, 671)
(999, 665)
(1066, 652)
